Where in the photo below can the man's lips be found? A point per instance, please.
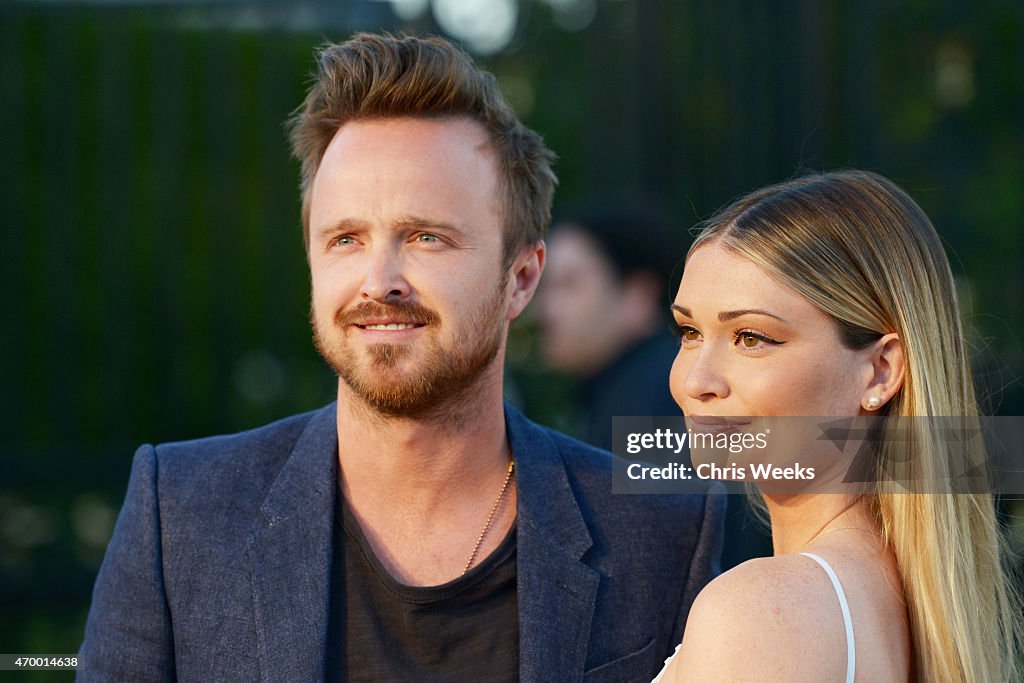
(389, 325)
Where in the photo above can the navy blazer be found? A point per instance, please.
(219, 567)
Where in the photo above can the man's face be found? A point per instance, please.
(410, 300)
(579, 304)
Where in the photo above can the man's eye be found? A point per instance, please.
(344, 240)
(427, 237)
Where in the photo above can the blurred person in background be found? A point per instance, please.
(602, 309)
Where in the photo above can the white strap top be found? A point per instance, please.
(661, 674)
(851, 650)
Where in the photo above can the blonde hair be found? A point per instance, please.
(373, 76)
(860, 249)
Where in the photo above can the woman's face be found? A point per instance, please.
(753, 347)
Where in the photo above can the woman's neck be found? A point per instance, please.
(799, 520)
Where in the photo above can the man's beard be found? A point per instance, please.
(442, 376)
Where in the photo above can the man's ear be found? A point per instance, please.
(525, 275)
(888, 366)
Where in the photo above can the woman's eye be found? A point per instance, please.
(754, 340)
(687, 333)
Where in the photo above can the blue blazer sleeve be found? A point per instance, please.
(706, 562)
(128, 633)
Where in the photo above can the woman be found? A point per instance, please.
(831, 295)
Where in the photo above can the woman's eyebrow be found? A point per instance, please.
(726, 316)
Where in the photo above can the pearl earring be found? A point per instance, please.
(874, 402)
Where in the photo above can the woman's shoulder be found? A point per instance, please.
(774, 593)
(775, 614)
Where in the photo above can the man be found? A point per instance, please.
(416, 529)
(603, 314)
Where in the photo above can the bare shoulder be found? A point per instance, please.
(769, 618)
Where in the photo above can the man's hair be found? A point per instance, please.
(375, 76)
(631, 235)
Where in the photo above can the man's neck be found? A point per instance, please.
(422, 488)
(450, 449)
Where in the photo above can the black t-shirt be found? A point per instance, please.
(382, 630)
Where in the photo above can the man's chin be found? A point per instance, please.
(371, 361)
(391, 395)
(383, 356)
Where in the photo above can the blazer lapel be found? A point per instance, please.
(290, 551)
(557, 592)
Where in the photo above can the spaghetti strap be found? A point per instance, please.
(851, 650)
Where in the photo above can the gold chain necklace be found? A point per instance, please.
(490, 517)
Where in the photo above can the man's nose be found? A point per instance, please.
(384, 278)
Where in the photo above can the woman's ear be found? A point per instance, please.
(888, 366)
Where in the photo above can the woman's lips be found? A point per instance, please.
(718, 424)
(719, 419)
